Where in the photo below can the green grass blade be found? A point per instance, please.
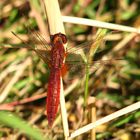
(99, 39)
(86, 85)
(13, 121)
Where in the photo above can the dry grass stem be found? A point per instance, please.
(113, 37)
(43, 28)
(63, 112)
(8, 70)
(108, 118)
(123, 42)
(92, 107)
(71, 87)
(100, 24)
(15, 78)
(10, 106)
(93, 119)
(54, 17)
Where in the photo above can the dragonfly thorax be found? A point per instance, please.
(58, 50)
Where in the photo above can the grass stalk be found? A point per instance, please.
(86, 85)
(100, 24)
(94, 47)
(93, 118)
(108, 118)
(15, 78)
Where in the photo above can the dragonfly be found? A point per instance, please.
(56, 67)
(59, 60)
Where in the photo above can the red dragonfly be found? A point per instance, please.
(55, 56)
(56, 67)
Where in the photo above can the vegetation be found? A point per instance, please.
(113, 83)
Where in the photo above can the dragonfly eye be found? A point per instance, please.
(59, 36)
(63, 37)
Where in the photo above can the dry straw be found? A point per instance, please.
(15, 78)
(108, 118)
(100, 24)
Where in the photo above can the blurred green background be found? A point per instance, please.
(24, 76)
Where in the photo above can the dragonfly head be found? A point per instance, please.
(59, 37)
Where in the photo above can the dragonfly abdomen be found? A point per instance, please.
(53, 95)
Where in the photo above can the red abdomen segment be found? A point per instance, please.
(53, 95)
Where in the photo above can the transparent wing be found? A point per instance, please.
(86, 51)
(42, 47)
(76, 69)
(38, 44)
(82, 57)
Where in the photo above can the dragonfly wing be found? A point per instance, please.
(86, 51)
(38, 44)
(90, 45)
(79, 69)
